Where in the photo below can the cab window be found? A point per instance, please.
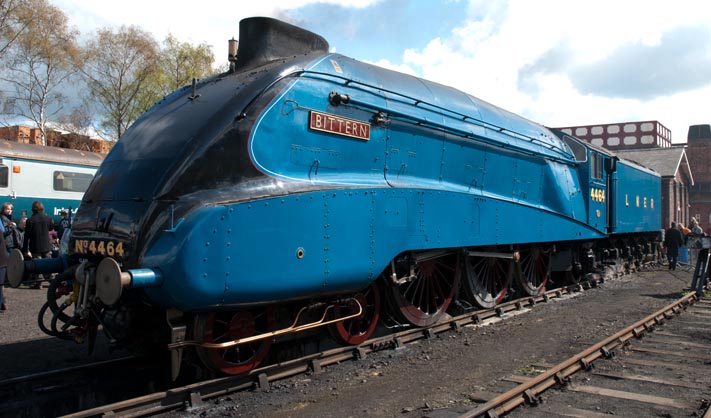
(596, 166)
(579, 150)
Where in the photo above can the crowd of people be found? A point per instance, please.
(675, 237)
(36, 237)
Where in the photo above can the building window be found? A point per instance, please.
(8, 106)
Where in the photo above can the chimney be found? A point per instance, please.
(699, 132)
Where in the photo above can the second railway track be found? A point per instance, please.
(658, 366)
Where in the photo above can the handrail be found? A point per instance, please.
(443, 111)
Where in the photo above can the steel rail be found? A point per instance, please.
(50, 374)
(559, 374)
(194, 395)
(37, 394)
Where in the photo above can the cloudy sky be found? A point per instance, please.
(557, 62)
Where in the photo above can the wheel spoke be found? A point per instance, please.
(533, 270)
(432, 292)
(486, 280)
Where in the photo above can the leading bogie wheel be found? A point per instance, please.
(356, 330)
(220, 327)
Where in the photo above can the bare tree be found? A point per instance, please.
(10, 26)
(182, 61)
(78, 121)
(40, 61)
(119, 65)
(10, 29)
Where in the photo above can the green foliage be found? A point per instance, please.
(127, 73)
(124, 70)
(118, 66)
(181, 62)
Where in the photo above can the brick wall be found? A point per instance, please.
(668, 207)
(15, 133)
(101, 146)
(699, 155)
(35, 136)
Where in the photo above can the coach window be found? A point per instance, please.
(68, 181)
(4, 175)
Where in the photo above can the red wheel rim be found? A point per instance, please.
(218, 327)
(356, 330)
(533, 270)
(486, 280)
(423, 300)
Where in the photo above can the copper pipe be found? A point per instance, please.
(294, 328)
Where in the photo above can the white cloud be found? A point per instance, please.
(213, 21)
(550, 60)
(402, 68)
(489, 54)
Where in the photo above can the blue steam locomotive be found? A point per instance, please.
(304, 189)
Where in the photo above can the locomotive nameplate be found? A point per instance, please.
(325, 122)
(104, 248)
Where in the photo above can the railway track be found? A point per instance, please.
(659, 366)
(198, 395)
(195, 395)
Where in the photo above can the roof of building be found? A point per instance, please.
(665, 161)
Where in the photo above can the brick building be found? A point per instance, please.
(699, 143)
(19, 134)
(624, 135)
(29, 135)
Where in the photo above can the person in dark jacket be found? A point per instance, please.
(8, 226)
(36, 243)
(64, 224)
(3, 270)
(19, 232)
(673, 239)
